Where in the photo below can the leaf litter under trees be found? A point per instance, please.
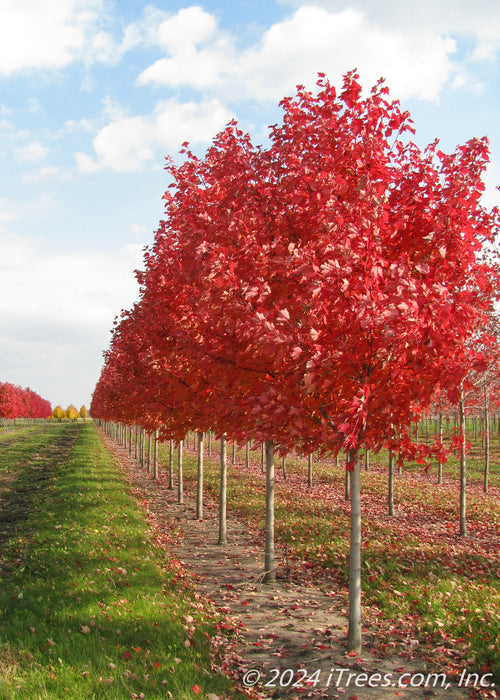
(299, 622)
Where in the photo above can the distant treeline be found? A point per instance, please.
(16, 402)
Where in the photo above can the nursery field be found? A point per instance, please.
(90, 604)
(95, 603)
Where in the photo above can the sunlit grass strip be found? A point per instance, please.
(89, 607)
(18, 447)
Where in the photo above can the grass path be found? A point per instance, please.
(90, 605)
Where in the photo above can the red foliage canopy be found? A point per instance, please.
(318, 291)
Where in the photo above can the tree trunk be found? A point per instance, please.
(171, 464)
(283, 465)
(486, 441)
(463, 465)
(199, 491)
(155, 460)
(263, 458)
(247, 454)
(391, 484)
(223, 492)
(440, 435)
(269, 560)
(354, 631)
(367, 460)
(347, 484)
(155, 455)
(180, 480)
(310, 470)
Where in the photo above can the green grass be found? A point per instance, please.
(422, 583)
(90, 606)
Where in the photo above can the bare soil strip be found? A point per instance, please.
(285, 627)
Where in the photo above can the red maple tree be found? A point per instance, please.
(315, 293)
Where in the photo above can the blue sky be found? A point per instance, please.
(95, 93)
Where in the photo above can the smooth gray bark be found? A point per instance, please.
(180, 480)
(155, 455)
(440, 435)
(269, 558)
(354, 630)
(486, 441)
(391, 484)
(199, 490)
(463, 464)
(223, 492)
(171, 464)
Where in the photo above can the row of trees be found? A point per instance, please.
(17, 402)
(71, 413)
(320, 293)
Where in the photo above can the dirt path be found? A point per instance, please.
(292, 635)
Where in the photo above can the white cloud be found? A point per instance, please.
(414, 61)
(314, 40)
(478, 22)
(199, 69)
(127, 143)
(481, 19)
(486, 51)
(85, 163)
(191, 25)
(51, 35)
(33, 151)
(145, 30)
(180, 37)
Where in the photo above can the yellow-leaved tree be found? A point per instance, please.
(83, 412)
(58, 413)
(72, 413)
